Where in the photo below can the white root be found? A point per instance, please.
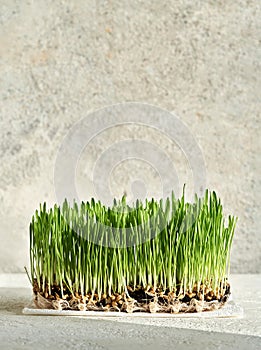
(130, 305)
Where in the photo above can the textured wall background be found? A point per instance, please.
(61, 60)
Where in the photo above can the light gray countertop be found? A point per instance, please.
(41, 332)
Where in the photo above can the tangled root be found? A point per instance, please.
(130, 305)
(134, 300)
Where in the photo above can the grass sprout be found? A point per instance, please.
(178, 245)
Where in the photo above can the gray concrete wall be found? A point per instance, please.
(61, 60)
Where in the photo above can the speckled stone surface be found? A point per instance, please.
(62, 60)
(19, 331)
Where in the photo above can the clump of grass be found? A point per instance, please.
(169, 246)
